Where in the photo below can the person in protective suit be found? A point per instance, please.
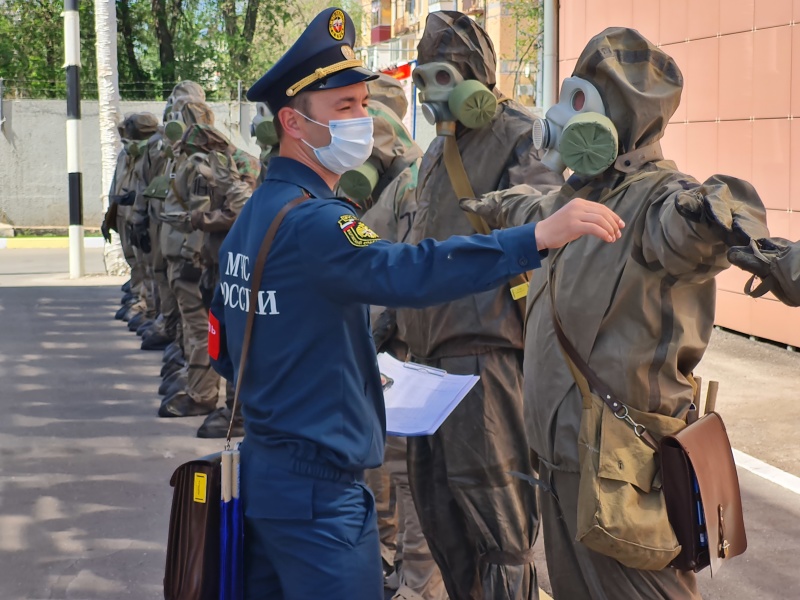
(158, 158)
(182, 254)
(134, 131)
(480, 522)
(640, 313)
(214, 190)
(385, 186)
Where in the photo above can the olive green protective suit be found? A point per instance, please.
(480, 522)
(640, 311)
(390, 214)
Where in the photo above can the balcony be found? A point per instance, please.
(401, 26)
(446, 5)
(474, 8)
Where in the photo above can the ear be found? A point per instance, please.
(290, 122)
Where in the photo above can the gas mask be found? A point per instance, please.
(168, 108)
(359, 183)
(263, 127)
(447, 97)
(175, 126)
(132, 148)
(576, 132)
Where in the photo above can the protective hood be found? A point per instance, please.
(453, 37)
(388, 91)
(138, 126)
(640, 84)
(193, 111)
(392, 140)
(189, 89)
(205, 138)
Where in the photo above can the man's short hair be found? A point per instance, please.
(300, 102)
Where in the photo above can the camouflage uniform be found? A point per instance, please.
(480, 522)
(212, 182)
(639, 311)
(134, 131)
(158, 160)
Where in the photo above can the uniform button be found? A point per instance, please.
(523, 262)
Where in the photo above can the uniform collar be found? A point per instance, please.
(291, 171)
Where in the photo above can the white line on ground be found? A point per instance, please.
(768, 472)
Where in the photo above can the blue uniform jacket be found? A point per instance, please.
(312, 382)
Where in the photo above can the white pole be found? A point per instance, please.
(550, 61)
(72, 52)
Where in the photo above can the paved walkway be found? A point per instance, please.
(85, 462)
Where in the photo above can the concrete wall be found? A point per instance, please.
(741, 65)
(33, 159)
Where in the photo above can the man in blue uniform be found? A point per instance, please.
(311, 392)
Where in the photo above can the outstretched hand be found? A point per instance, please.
(578, 218)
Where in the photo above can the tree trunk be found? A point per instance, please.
(166, 19)
(105, 24)
(138, 76)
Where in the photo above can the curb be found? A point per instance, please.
(47, 243)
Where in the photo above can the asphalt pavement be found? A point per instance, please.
(85, 462)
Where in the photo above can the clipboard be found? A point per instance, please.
(420, 397)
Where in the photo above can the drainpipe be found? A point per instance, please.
(550, 55)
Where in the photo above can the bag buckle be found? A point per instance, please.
(723, 547)
(623, 415)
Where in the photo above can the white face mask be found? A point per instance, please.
(350, 147)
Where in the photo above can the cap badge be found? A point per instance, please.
(336, 25)
(348, 53)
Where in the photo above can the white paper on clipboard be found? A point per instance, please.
(420, 398)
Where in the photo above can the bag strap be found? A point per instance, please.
(586, 378)
(463, 189)
(258, 271)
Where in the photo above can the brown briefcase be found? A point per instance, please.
(701, 489)
(193, 547)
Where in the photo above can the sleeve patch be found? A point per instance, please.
(213, 336)
(358, 234)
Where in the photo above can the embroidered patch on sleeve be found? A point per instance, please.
(213, 336)
(358, 234)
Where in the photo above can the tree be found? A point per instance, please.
(108, 101)
(527, 15)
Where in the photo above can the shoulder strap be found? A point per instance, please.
(463, 189)
(258, 271)
(586, 378)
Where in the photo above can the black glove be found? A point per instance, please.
(126, 199)
(105, 231)
(190, 273)
(776, 262)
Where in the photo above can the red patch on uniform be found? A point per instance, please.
(213, 336)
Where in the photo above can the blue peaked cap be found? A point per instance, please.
(322, 58)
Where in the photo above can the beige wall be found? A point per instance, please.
(741, 64)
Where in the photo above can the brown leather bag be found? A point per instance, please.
(707, 517)
(193, 546)
(624, 517)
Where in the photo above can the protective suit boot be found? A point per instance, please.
(155, 340)
(174, 383)
(216, 425)
(173, 349)
(120, 314)
(128, 298)
(126, 287)
(172, 367)
(136, 321)
(183, 405)
(144, 327)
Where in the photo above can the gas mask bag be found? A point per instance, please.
(576, 132)
(447, 96)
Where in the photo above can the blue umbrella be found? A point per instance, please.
(231, 530)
